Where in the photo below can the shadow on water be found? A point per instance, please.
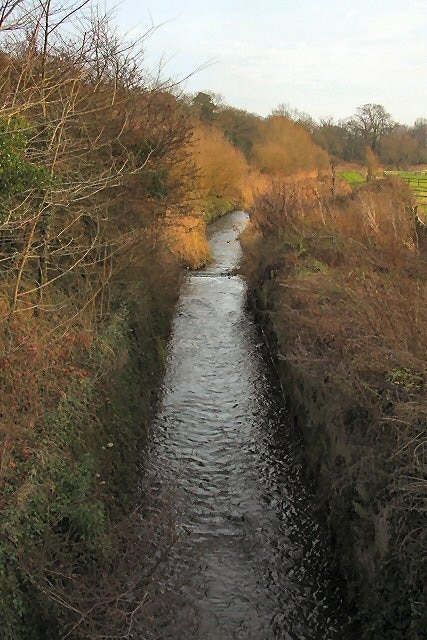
(253, 563)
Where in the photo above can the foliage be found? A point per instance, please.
(68, 481)
(399, 149)
(241, 128)
(331, 137)
(405, 378)
(221, 168)
(285, 147)
(187, 240)
(206, 106)
(372, 164)
(18, 174)
(397, 145)
(371, 122)
(93, 159)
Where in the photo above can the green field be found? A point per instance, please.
(408, 175)
(417, 180)
(354, 178)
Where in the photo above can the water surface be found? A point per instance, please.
(254, 563)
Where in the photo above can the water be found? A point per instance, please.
(253, 563)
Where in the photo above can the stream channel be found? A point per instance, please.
(254, 563)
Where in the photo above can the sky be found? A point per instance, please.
(322, 57)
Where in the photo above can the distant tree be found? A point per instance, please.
(286, 147)
(331, 137)
(205, 104)
(240, 127)
(370, 123)
(419, 132)
(294, 114)
(399, 148)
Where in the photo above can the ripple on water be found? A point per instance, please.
(254, 563)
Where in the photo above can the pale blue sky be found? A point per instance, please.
(322, 57)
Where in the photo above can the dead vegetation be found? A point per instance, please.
(343, 278)
(91, 148)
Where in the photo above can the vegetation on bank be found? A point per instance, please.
(72, 545)
(417, 180)
(107, 181)
(89, 153)
(340, 287)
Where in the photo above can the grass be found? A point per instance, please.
(354, 178)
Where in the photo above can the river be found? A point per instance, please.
(253, 562)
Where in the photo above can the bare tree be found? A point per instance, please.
(91, 149)
(370, 122)
(103, 132)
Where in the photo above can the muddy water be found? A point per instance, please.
(253, 563)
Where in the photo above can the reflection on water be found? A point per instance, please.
(254, 565)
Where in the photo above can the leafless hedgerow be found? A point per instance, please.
(92, 141)
(100, 133)
(90, 149)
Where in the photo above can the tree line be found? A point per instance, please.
(397, 145)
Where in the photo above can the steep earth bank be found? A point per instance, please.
(70, 535)
(357, 396)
